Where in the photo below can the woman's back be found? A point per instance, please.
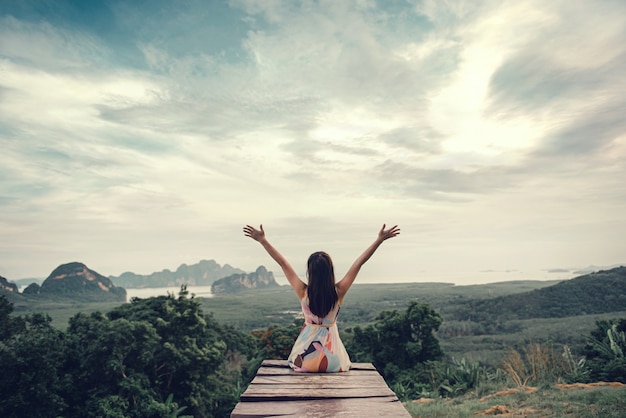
(311, 318)
(319, 348)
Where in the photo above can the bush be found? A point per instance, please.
(154, 357)
(605, 351)
(539, 365)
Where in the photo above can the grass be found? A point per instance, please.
(489, 349)
(60, 310)
(587, 402)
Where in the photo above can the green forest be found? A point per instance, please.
(155, 357)
(182, 356)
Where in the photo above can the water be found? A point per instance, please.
(148, 292)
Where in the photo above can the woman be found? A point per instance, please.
(318, 347)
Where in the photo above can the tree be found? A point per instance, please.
(605, 351)
(8, 324)
(277, 342)
(154, 357)
(189, 353)
(198, 361)
(402, 347)
(111, 363)
(32, 378)
(399, 341)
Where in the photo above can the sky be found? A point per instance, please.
(141, 135)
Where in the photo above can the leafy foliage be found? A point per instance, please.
(8, 324)
(605, 351)
(459, 377)
(32, 375)
(277, 341)
(400, 345)
(402, 339)
(154, 357)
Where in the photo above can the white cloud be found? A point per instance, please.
(49, 47)
(491, 132)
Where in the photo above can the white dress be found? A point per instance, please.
(318, 348)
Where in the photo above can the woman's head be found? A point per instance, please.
(321, 283)
(320, 268)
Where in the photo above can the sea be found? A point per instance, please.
(148, 292)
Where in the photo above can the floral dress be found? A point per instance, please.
(318, 348)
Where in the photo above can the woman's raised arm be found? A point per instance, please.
(259, 235)
(345, 283)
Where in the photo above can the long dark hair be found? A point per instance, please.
(321, 288)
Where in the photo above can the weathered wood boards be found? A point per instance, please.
(277, 391)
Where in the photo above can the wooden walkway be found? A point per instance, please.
(277, 391)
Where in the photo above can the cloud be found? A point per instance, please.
(419, 140)
(591, 134)
(490, 128)
(50, 48)
(565, 77)
(445, 183)
(319, 152)
(585, 104)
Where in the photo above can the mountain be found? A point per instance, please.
(26, 282)
(261, 278)
(600, 292)
(202, 274)
(77, 281)
(4, 284)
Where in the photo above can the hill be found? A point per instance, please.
(203, 273)
(596, 293)
(27, 281)
(260, 279)
(77, 281)
(5, 285)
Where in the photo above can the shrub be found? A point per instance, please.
(605, 351)
(539, 365)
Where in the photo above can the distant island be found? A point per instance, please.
(6, 285)
(235, 283)
(203, 273)
(75, 280)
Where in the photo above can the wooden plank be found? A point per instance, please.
(285, 371)
(282, 393)
(278, 391)
(377, 407)
(273, 371)
(285, 363)
(362, 366)
(373, 379)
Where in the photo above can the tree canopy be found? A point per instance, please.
(149, 358)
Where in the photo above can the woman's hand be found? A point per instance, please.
(255, 234)
(292, 277)
(345, 283)
(384, 234)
